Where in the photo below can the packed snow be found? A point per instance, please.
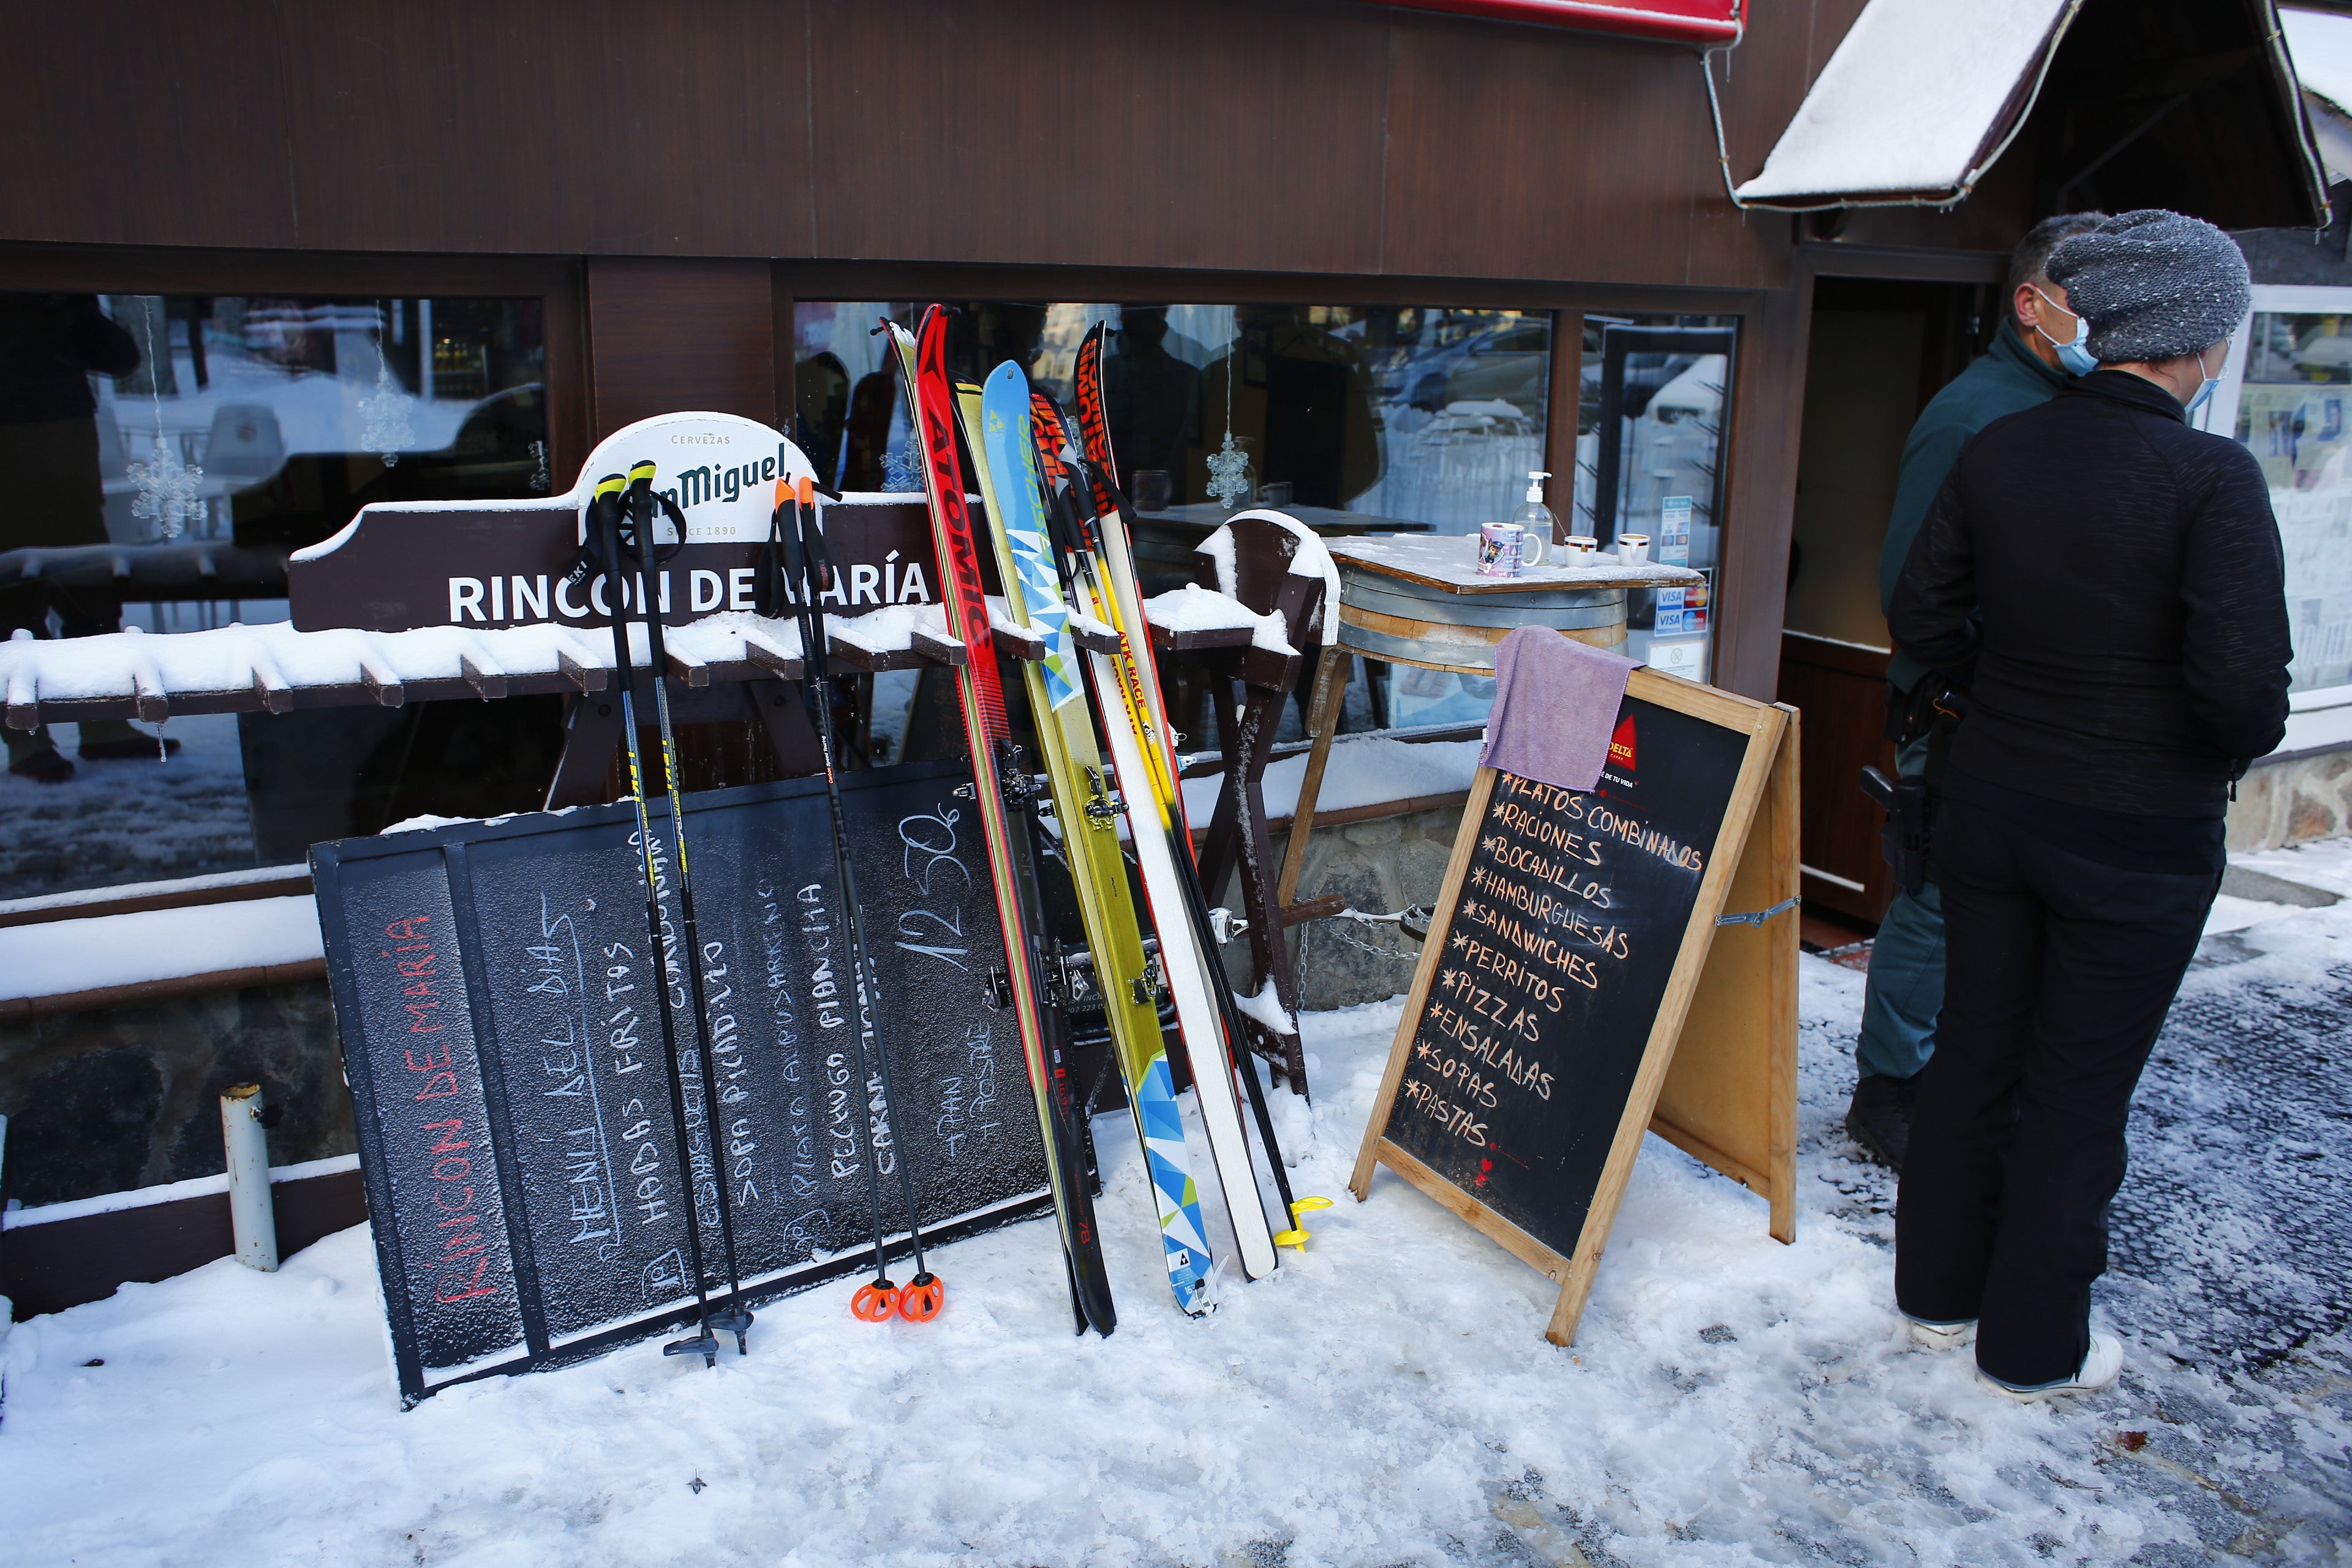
(1193, 609)
(56, 958)
(1729, 1400)
(1906, 103)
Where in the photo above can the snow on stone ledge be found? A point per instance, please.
(1912, 101)
(57, 958)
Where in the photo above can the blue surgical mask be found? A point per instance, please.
(2074, 357)
(2204, 395)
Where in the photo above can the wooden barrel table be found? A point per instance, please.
(1419, 599)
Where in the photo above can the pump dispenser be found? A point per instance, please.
(1533, 515)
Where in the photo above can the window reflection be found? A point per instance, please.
(1352, 418)
(274, 419)
(2291, 414)
(141, 423)
(1649, 459)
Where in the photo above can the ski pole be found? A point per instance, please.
(809, 571)
(605, 537)
(735, 1318)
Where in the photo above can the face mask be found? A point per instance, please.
(2074, 357)
(2204, 395)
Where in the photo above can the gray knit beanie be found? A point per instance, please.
(2154, 285)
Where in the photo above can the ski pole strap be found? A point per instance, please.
(590, 559)
(1758, 916)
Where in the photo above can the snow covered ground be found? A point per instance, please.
(1730, 1400)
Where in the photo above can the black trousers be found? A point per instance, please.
(2059, 973)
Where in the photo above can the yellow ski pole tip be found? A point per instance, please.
(1308, 1205)
(1297, 1239)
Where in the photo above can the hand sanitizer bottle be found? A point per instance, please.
(1536, 517)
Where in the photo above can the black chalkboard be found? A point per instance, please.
(493, 988)
(1546, 974)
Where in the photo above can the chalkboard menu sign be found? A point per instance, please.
(1571, 934)
(494, 989)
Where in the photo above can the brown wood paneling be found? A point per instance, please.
(1841, 690)
(1224, 134)
(1760, 513)
(130, 123)
(1563, 156)
(665, 335)
(1565, 391)
(65, 1262)
(597, 126)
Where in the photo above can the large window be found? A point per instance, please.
(1649, 459)
(136, 420)
(2291, 371)
(1348, 416)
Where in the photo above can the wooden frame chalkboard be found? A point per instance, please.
(1577, 947)
(492, 985)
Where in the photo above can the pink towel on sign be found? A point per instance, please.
(1555, 702)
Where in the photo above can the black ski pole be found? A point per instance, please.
(809, 571)
(735, 1318)
(605, 538)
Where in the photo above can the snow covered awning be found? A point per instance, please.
(2321, 44)
(2187, 104)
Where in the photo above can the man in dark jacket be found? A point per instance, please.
(2020, 369)
(2107, 584)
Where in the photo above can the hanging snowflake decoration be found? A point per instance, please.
(167, 489)
(386, 430)
(902, 471)
(1229, 474)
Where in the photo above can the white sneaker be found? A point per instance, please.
(2101, 1366)
(1941, 1336)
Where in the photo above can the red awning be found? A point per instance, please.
(1680, 21)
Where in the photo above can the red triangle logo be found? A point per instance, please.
(1621, 744)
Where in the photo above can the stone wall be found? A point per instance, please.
(112, 1099)
(2292, 801)
(1379, 866)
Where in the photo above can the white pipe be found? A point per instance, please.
(252, 1219)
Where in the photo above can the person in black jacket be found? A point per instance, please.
(2106, 582)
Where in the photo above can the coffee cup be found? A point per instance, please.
(1505, 550)
(1632, 549)
(1579, 549)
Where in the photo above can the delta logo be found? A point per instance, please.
(1620, 745)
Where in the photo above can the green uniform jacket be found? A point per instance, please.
(2006, 379)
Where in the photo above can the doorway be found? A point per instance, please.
(1880, 349)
